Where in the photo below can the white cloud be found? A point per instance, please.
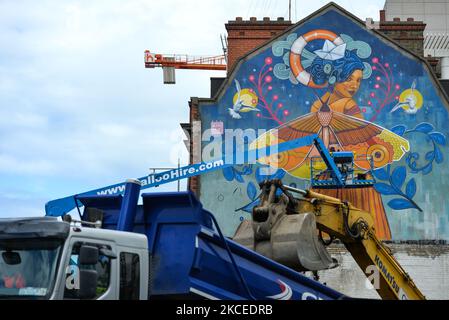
(30, 167)
(17, 119)
(78, 110)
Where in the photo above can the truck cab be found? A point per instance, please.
(44, 258)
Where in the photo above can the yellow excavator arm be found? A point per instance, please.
(284, 226)
(355, 228)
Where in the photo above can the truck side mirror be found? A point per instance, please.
(11, 257)
(88, 255)
(88, 284)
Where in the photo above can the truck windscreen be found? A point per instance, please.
(28, 267)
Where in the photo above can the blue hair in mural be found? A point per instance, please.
(332, 71)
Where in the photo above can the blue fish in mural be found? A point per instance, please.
(239, 105)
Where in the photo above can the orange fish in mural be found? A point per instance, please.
(339, 132)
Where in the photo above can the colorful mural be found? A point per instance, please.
(359, 92)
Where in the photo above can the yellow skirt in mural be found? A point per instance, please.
(367, 199)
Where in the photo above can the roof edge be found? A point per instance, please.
(322, 10)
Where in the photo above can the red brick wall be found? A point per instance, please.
(193, 183)
(408, 33)
(243, 37)
(246, 35)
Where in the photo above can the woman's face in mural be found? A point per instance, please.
(350, 87)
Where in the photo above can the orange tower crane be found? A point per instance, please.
(177, 61)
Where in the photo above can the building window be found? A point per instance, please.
(241, 33)
(129, 276)
(103, 268)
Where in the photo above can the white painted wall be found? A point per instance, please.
(428, 266)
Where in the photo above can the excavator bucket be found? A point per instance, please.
(293, 242)
(312, 254)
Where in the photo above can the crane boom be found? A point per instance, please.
(179, 61)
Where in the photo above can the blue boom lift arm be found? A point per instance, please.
(189, 256)
(64, 205)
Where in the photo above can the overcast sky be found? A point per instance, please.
(78, 110)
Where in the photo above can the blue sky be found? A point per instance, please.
(78, 110)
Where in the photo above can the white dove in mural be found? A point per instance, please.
(238, 104)
(410, 101)
(331, 52)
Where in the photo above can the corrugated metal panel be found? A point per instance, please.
(437, 44)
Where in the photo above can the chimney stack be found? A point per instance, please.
(382, 15)
(245, 35)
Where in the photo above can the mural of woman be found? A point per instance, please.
(338, 121)
(348, 72)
